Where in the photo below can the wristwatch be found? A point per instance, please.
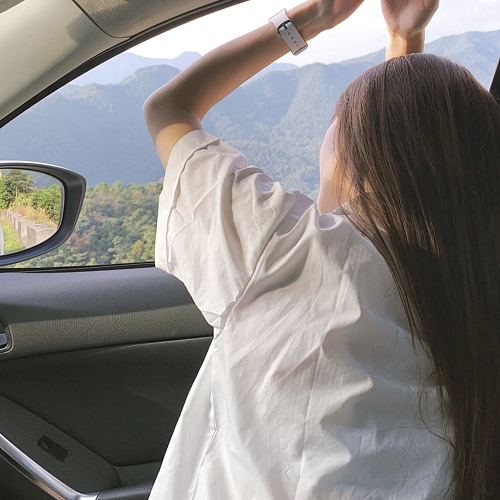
(288, 31)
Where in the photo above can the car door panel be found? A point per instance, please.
(100, 364)
(57, 311)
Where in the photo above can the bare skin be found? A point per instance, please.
(179, 106)
(406, 21)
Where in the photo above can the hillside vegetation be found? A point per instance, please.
(117, 224)
(18, 192)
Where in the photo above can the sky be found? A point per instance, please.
(362, 33)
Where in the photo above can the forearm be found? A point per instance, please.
(401, 45)
(204, 83)
(190, 95)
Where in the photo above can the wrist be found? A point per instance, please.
(307, 19)
(399, 45)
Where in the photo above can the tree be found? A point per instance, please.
(49, 200)
(12, 184)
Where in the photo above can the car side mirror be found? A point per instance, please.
(39, 207)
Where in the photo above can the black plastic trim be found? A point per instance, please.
(73, 193)
(79, 269)
(36, 474)
(117, 49)
(5, 333)
(140, 492)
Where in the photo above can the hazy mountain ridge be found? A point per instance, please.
(277, 120)
(123, 65)
(478, 51)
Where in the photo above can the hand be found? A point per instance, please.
(333, 12)
(406, 18)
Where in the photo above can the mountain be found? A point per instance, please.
(98, 130)
(123, 65)
(120, 67)
(478, 51)
(277, 120)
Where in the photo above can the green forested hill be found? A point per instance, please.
(279, 121)
(98, 130)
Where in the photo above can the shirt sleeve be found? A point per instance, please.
(216, 215)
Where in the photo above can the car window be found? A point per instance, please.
(94, 125)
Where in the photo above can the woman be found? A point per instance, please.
(356, 347)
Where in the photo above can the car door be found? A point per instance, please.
(99, 366)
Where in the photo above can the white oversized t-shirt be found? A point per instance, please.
(310, 387)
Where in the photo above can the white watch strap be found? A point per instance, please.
(288, 31)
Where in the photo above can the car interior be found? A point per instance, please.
(95, 363)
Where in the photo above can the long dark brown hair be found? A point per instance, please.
(418, 139)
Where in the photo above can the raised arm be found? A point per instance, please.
(406, 21)
(179, 106)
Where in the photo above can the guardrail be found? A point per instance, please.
(28, 231)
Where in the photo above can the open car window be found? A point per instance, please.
(94, 125)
